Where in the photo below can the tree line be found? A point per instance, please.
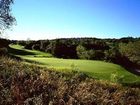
(124, 51)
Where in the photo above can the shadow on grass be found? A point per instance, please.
(35, 62)
(131, 84)
(19, 52)
(128, 65)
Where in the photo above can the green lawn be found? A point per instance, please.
(96, 69)
(19, 50)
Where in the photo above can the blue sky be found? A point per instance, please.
(48, 19)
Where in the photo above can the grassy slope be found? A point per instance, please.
(22, 84)
(97, 69)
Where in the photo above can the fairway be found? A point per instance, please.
(96, 69)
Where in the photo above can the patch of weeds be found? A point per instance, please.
(74, 68)
(115, 77)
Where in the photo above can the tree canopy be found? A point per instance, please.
(131, 50)
(6, 18)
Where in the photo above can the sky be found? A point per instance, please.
(49, 19)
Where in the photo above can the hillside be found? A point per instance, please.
(21, 83)
(123, 51)
(93, 68)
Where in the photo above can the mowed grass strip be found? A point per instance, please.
(20, 50)
(97, 69)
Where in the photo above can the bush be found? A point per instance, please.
(131, 51)
(36, 47)
(29, 84)
(3, 51)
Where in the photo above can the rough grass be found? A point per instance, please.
(22, 84)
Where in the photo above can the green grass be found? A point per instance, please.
(96, 69)
(19, 50)
(21, 83)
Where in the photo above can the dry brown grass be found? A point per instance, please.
(22, 84)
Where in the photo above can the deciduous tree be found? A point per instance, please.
(6, 18)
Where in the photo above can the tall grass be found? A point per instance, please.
(22, 84)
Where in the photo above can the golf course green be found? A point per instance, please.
(96, 69)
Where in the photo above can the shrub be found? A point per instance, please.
(3, 51)
(22, 84)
